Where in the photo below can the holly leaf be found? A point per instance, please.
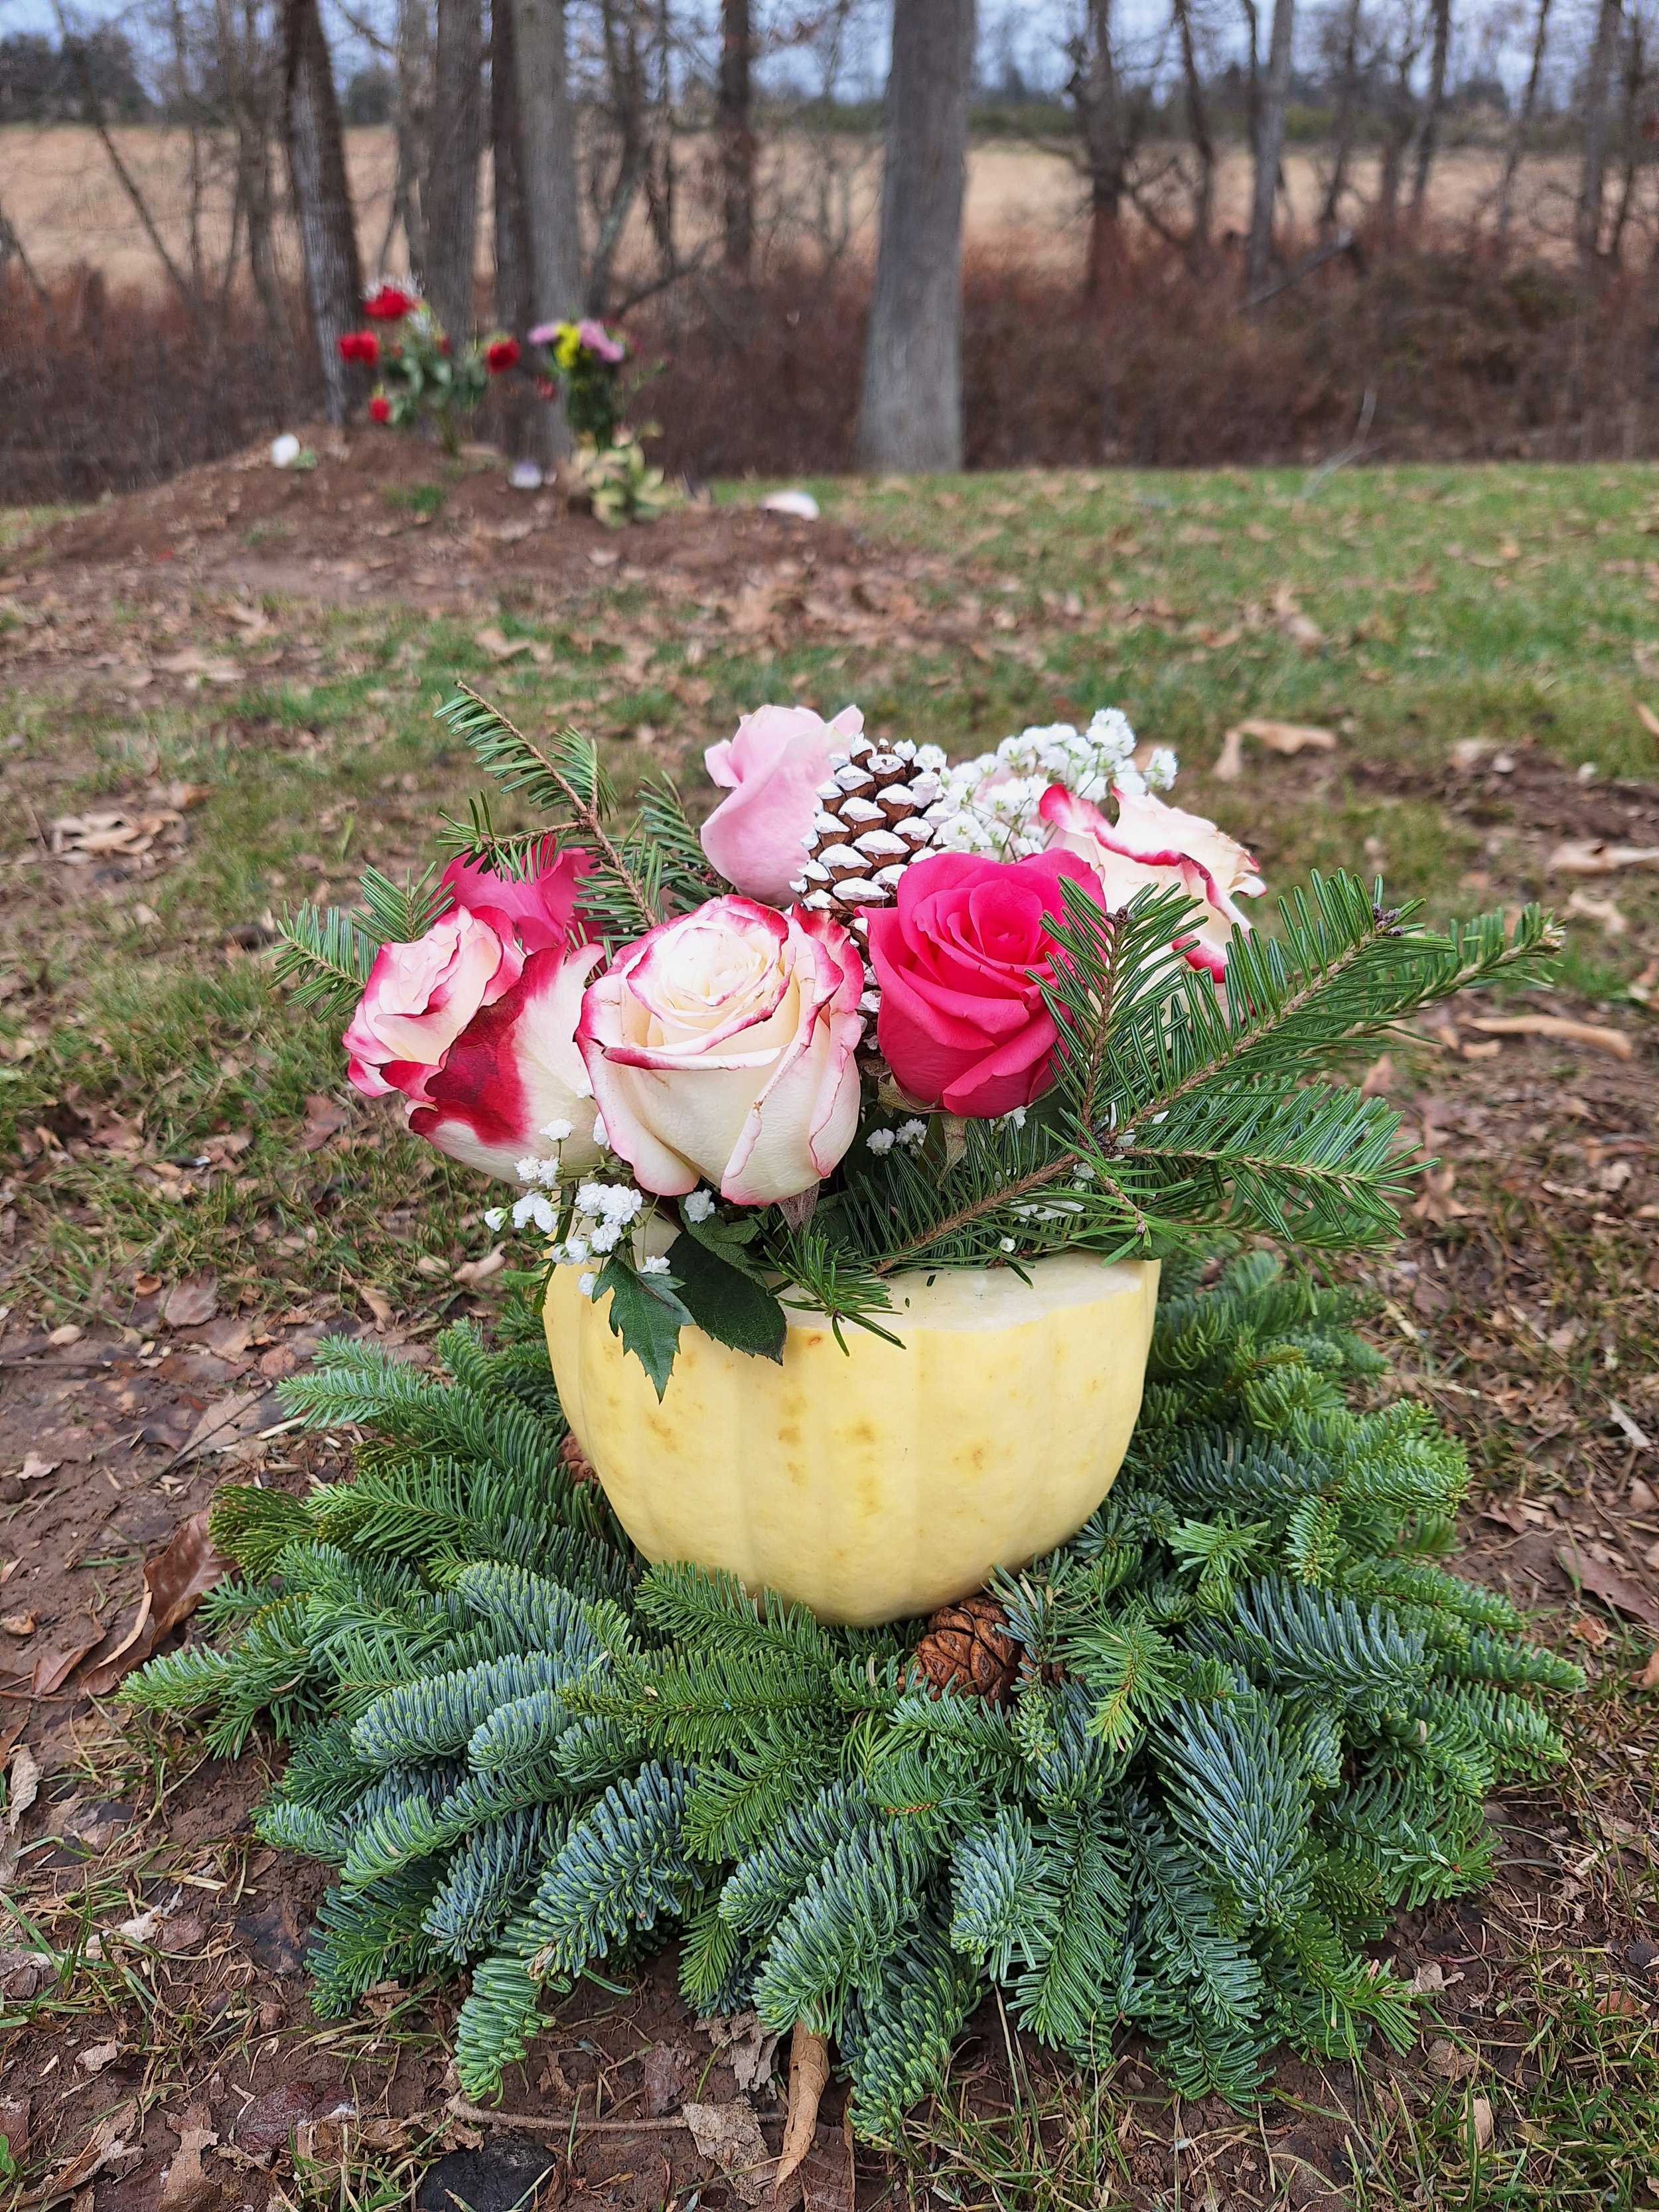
(726, 1301)
(647, 1312)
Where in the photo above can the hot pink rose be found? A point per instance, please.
(721, 1048)
(1152, 844)
(959, 959)
(515, 1075)
(772, 768)
(539, 908)
(420, 997)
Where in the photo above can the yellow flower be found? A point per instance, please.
(567, 345)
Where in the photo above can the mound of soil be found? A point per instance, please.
(384, 514)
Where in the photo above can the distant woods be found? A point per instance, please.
(697, 164)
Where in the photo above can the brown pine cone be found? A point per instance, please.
(967, 1649)
(577, 1464)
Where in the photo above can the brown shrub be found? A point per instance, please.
(1468, 359)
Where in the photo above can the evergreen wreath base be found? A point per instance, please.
(1253, 1716)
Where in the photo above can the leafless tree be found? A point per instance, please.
(1342, 124)
(322, 199)
(1598, 79)
(449, 197)
(1104, 117)
(910, 406)
(1274, 99)
(1523, 118)
(1434, 101)
(735, 122)
(1631, 130)
(1199, 133)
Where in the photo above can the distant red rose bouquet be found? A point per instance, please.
(422, 378)
(882, 1013)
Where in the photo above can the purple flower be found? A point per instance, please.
(595, 336)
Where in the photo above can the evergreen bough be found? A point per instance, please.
(1254, 1715)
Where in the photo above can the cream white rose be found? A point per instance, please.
(1153, 845)
(720, 1048)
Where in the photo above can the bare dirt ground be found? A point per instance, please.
(177, 2068)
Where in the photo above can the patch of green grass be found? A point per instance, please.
(416, 499)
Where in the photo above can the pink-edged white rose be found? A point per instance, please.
(538, 908)
(1154, 845)
(720, 1049)
(420, 997)
(515, 1076)
(772, 768)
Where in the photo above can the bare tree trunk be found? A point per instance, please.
(322, 203)
(1269, 146)
(1524, 119)
(1198, 130)
(547, 140)
(1434, 101)
(244, 68)
(449, 199)
(1635, 77)
(1342, 127)
(511, 223)
(1401, 110)
(1598, 79)
(910, 408)
(410, 113)
(734, 120)
(1098, 94)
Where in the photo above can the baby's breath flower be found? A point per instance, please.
(493, 1215)
(584, 1284)
(911, 1135)
(880, 1141)
(556, 1132)
(697, 1205)
(656, 1265)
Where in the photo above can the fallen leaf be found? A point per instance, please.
(1555, 1025)
(191, 662)
(23, 1785)
(1623, 1421)
(1469, 752)
(225, 1425)
(498, 646)
(809, 2076)
(1430, 1980)
(1450, 2063)
(191, 1303)
(69, 1332)
(1612, 1588)
(1647, 719)
(1648, 1677)
(1289, 739)
(324, 1117)
(1378, 1078)
(1588, 1630)
(378, 1303)
(730, 2134)
(1604, 911)
(19, 1625)
(1619, 2004)
(1230, 761)
(146, 1285)
(175, 1583)
(107, 2140)
(1594, 856)
(474, 1271)
(97, 2055)
(53, 1668)
(184, 2186)
(14, 2126)
(1481, 2120)
(1436, 1202)
(35, 1469)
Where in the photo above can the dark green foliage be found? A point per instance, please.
(1254, 1716)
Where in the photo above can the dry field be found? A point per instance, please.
(59, 191)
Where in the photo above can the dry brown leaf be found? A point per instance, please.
(107, 2140)
(233, 1421)
(175, 1583)
(809, 2076)
(1647, 719)
(191, 662)
(730, 2134)
(19, 1625)
(81, 837)
(15, 2125)
(1607, 1582)
(97, 2055)
(1230, 761)
(1378, 1078)
(184, 2186)
(191, 1303)
(1594, 856)
(1480, 2119)
(324, 1117)
(378, 1303)
(23, 1785)
(1289, 739)
(53, 1668)
(1436, 1202)
(36, 1469)
(496, 644)
(472, 1273)
(1450, 2063)
(1606, 912)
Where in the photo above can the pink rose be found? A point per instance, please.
(1152, 844)
(959, 960)
(539, 908)
(420, 997)
(595, 336)
(772, 768)
(515, 1075)
(720, 1047)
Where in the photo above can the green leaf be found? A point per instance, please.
(647, 1315)
(726, 1301)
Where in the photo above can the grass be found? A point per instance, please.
(141, 1036)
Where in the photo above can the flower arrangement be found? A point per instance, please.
(582, 363)
(881, 1013)
(422, 377)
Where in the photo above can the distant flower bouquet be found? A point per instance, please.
(422, 378)
(583, 359)
(881, 1013)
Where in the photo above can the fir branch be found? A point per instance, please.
(325, 956)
